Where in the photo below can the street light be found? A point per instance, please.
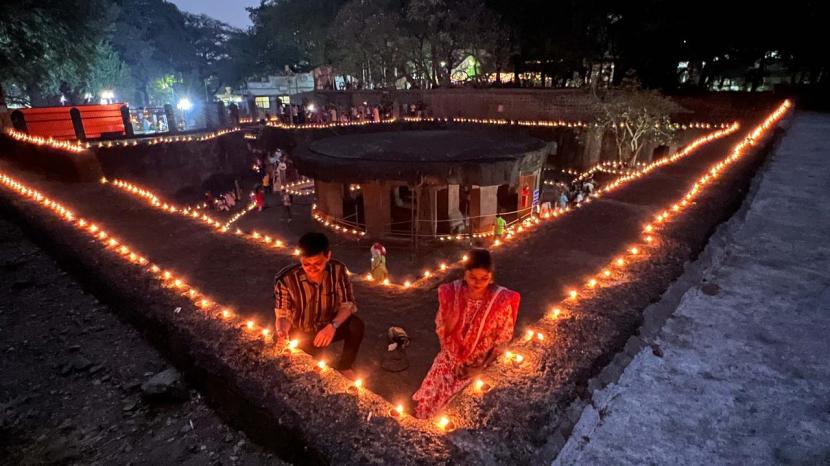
(107, 96)
(184, 104)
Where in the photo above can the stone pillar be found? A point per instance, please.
(329, 198)
(454, 215)
(234, 114)
(396, 109)
(428, 211)
(483, 205)
(377, 208)
(253, 110)
(592, 147)
(172, 126)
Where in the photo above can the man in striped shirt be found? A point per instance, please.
(314, 302)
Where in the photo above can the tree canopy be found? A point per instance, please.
(149, 52)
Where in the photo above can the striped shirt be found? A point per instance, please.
(307, 305)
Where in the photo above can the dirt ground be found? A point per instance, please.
(240, 274)
(70, 379)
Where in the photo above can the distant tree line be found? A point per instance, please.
(149, 52)
(566, 42)
(145, 51)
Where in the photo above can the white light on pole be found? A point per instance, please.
(184, 104)
(107, 96)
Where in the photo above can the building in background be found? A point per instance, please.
(269, 93)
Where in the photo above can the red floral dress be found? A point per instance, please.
(468, 330)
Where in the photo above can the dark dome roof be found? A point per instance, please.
(427, 146)
(452, 156)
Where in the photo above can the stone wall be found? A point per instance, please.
(55, 163)
(542, 104)
(185, 170)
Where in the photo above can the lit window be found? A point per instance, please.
(263, 102)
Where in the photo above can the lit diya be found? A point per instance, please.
(354, 389)
(445, 424)
(396, 412)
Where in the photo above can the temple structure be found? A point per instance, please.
(424, 182)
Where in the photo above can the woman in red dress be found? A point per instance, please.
(475, 319)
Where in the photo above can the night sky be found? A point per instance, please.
(230, 11)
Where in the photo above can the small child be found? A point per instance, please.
(259, 199)
(378, 264)
(286, 204)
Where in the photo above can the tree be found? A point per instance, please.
(292, 32)
(45, 42)
(442, 26)
(490, 42)
(635, 118)
(211, 40)
(108, 71)
(366, 42)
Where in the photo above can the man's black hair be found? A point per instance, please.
(312, 244)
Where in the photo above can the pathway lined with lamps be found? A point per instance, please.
(202, 303)
(426, 277)
(77, 147)
(517, 357)
(532, 343)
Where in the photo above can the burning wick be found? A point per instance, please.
(445, 424)
(572, 294)
(482, 386)
(397, 411)
(513, 357)
(354, 389)
(321, 366)
(250, 325)
(556, 312)
(291, 346)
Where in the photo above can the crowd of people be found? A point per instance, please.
(314, 303)
(574, 192)
(273, 168)
(307, 112)
(224, 201)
